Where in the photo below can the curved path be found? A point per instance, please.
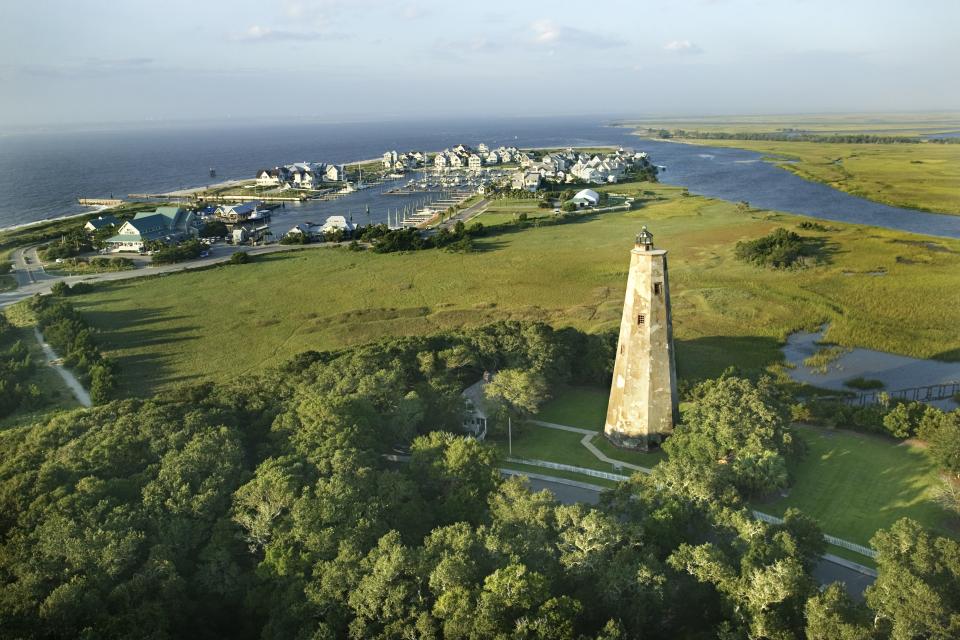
(68, 378)
(830, 569)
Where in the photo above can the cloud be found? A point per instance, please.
(256, 33)
(684, 47)
(549, 33)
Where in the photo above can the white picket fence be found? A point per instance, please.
(616, 477)
(839, 542)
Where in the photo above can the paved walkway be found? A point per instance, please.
(586, 442)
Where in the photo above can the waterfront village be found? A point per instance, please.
(241, 212)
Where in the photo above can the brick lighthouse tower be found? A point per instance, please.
(643, 396)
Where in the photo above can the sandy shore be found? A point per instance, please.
(94, 209)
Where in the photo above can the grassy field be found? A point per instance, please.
(922, 176)
(855, 484)
(224, 322)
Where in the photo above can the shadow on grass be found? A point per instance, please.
(708, 357)
(126, 334)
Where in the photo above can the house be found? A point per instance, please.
(100, 222)
(301, 175)
(493, 158)
(237, 212)
(307, 229)
(390, 159)
(441, 161)
(474, 163)
(335, 223)
(272, 177)
(526, 180)
(239, 235)
(482, 148)
(586, 198)
(166, 224)
(335, 173)
(475, 418)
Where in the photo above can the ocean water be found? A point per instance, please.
(42, 174)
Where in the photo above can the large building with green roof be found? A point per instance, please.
(166, 224)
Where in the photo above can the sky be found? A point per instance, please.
(65, 62)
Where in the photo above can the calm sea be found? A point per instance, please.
(42, 175)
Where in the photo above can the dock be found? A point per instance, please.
(99, 202)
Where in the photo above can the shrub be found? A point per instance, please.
(60, 288)
(240, 257)
(781, 249)
(5, 267)
(864, 384)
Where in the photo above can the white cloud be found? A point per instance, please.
(549, 33)
(683, 47)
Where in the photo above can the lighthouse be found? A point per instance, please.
(643, 395)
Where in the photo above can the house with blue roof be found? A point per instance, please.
(166, 224)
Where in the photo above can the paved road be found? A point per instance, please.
(826, 572)
(32, 279)
(465, 215)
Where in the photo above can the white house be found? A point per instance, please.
(335, 223)
(586, 198)
(335, 173)
(268, 177)
(474, 163)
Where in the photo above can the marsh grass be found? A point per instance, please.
(225, 322)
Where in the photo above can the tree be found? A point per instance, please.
(455, 473)
(945, 444)
(832, 615)
(916, 592)
(522, 392)
(735, 435)
(240, 257)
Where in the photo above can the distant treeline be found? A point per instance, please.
(798, 136)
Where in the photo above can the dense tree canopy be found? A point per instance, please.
(278, 509)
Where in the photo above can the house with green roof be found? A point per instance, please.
(166, 224)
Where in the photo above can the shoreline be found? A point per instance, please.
(24, 225)
(235, 181)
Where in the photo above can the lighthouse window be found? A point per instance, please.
(641, 319)
(657, 288)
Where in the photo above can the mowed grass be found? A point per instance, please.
(855, 484)
(922, 176)
(227, 322)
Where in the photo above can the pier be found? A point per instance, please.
(99, 202)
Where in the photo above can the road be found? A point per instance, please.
(32, 279)
(827, 571)
(465, 215)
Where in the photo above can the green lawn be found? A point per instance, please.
(8, 283)
(582, 407)
(855, 484)
(225, 322)
(542, 443)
